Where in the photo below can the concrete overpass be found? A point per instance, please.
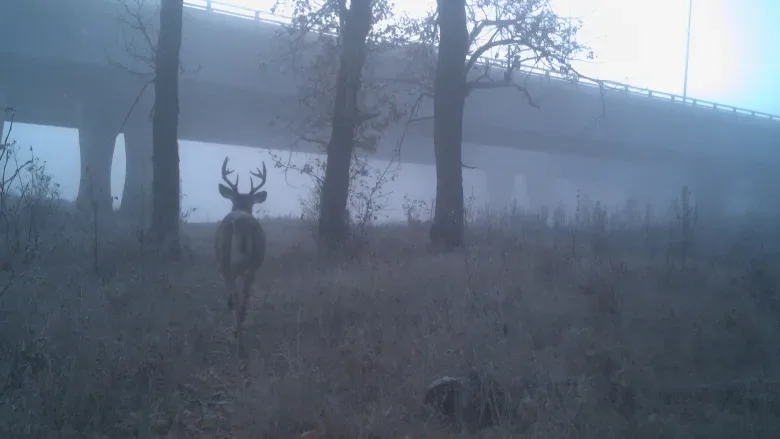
(69, 64)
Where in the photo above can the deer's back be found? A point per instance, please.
(240, 243)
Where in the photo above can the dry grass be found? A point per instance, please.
(611, 347)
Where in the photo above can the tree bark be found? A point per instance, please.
(333, 227)
(450, 89)
(136, 195)
(165, 194)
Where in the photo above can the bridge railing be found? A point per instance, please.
(244, 12)
(237, 11)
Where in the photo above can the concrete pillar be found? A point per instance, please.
(100, 122)
(709, 193)
(539, 190)
(500, 188)
(137, 192)
(763, 193)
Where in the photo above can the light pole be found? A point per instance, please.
(687, 51)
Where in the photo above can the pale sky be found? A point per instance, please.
(735, 60)
(734, 54)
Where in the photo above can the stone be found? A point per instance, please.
(474, 402)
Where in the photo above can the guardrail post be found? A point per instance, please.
(208, 5)
(257, 15)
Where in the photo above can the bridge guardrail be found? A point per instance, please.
(244, 12)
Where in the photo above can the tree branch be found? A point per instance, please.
(12, 112)
(320, 142)
(506, 84)
(474, 59)
(568, 68)
(365, 117)
(140, 26)
(420, 119)
(135, 21)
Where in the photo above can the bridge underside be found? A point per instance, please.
(238, 116)
(96, 100)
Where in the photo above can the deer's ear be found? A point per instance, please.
(225, 191)
(259, 197)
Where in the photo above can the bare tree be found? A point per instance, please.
(519, 32)
(165, 185)
(355, 23)
(338, 47)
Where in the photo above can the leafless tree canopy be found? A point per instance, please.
(315, 41)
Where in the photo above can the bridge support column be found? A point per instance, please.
(137, 192)
(764, 193)
(709, 194)
(500, 188)
(539, 191)
(97, 139)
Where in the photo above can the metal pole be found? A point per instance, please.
(687, 51)
(3, 112)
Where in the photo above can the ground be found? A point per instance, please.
(608, 335)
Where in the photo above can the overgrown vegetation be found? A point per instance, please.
(367, 198)
(29, 211)
(587, 328)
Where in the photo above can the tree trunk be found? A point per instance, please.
(449, 101)
(165, 184)
(356, 23)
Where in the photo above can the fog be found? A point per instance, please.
(727, 65)
(200, 173)
(564, 177)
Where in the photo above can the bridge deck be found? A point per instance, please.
(226, 97)
(243, 12)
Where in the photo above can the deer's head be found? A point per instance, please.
(243, 202)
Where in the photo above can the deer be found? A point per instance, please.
(240, 243)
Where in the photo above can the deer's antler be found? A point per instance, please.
(225, 173)
(259, 174)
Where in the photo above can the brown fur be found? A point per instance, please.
(240, 243)
(240, 228)
(240, 249)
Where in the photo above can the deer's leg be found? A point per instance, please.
(249, 278)
(232, 290)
